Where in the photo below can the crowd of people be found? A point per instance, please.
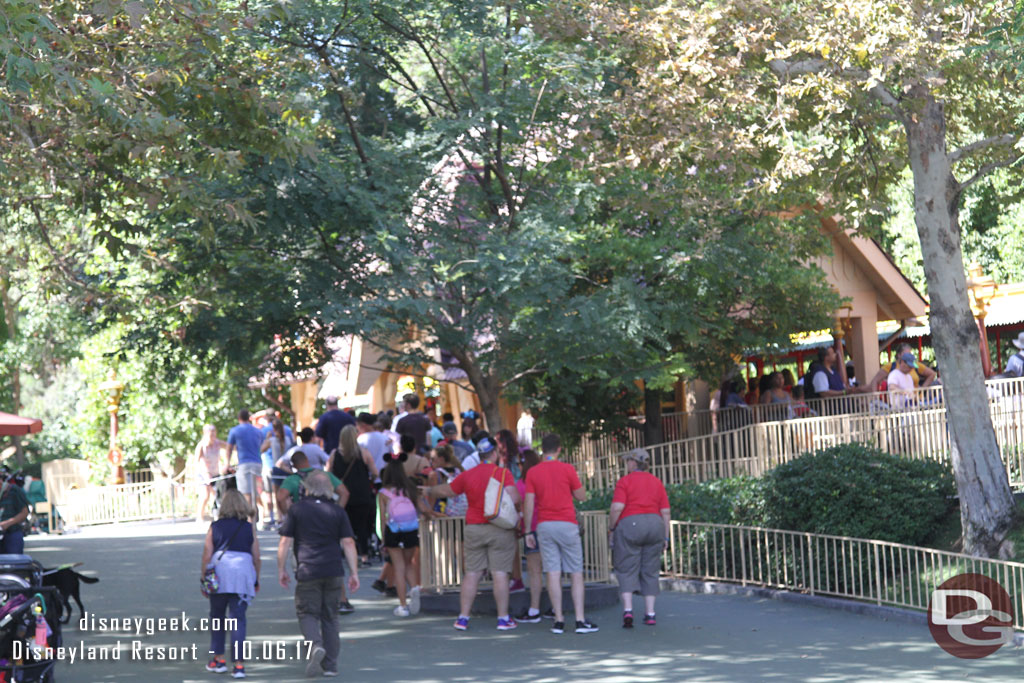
(779, 395)
(366, 481)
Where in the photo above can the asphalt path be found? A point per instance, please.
(150, 571)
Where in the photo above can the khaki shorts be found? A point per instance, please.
(488, 547)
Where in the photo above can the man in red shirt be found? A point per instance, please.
(486, 546)
(551, 487)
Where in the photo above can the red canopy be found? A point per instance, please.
(14, 425)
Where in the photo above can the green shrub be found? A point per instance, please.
(849, 490)
(737, 500)
(855, 490)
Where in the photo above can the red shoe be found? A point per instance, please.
(650, 620)
(516, 586)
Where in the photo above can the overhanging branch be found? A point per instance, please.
(985, 143)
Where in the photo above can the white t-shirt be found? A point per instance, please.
(900, 387)
(821, 381)
(471, 461)
(377, 444)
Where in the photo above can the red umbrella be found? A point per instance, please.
(14, 425)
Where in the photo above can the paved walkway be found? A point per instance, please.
(151, 570)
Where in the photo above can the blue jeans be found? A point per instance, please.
(13, 542)
(220, 603)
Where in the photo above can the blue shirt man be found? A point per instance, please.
(247, 439)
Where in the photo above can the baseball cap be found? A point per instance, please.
(484, 446)
(909, 359)
(449, 428)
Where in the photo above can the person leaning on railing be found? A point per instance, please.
(639, 533)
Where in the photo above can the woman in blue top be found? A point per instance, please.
(233, 549)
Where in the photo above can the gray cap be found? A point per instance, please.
(449, 428)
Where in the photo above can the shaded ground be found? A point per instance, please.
(151, 570)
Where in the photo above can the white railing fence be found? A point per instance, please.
(919, 431)
(156, 499)
(859, 569)
(441, 550)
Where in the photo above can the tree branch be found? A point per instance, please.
(985, 170)
(784, 71)
(994, 141)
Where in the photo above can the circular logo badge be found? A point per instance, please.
(971, 616)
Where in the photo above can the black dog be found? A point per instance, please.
(67, 582)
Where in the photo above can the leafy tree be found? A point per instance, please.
(829, 102)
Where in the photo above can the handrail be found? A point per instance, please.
(919, 431)
(868, 570)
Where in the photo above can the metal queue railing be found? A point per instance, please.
(917, 431)
(442, 550)
(867, 570)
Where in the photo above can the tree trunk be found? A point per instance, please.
(986, 503)
(653, 432)
(487, 387)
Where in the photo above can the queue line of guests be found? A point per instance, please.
(320, 509)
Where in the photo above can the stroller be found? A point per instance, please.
(23, 599)
(222, 485)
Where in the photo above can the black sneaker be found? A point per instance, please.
(346, 608)
(379, 585)
(550, 614)
(586, 627)
(528, 618)
(627, 620)
(558, 627)
(391, 592)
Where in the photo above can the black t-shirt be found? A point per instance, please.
(317, 525)
(329, 426)
(416, 425)
(356, 477)
(238, 531)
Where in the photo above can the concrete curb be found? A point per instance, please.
(883, 612)
(597, 595)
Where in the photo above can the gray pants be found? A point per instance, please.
(639, 540)
(316, 605)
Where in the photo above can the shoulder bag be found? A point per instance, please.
(209, 584)
(499, 509)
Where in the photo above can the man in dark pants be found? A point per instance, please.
(315, 525)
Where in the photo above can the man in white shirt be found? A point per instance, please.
(900, 384)
(483, 447)
(372, 440)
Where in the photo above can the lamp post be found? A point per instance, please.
(982, 288)
(112, 390)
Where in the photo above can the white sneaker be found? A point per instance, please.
(401, 611)
(414, 600)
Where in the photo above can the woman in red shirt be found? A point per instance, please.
(639, 524)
